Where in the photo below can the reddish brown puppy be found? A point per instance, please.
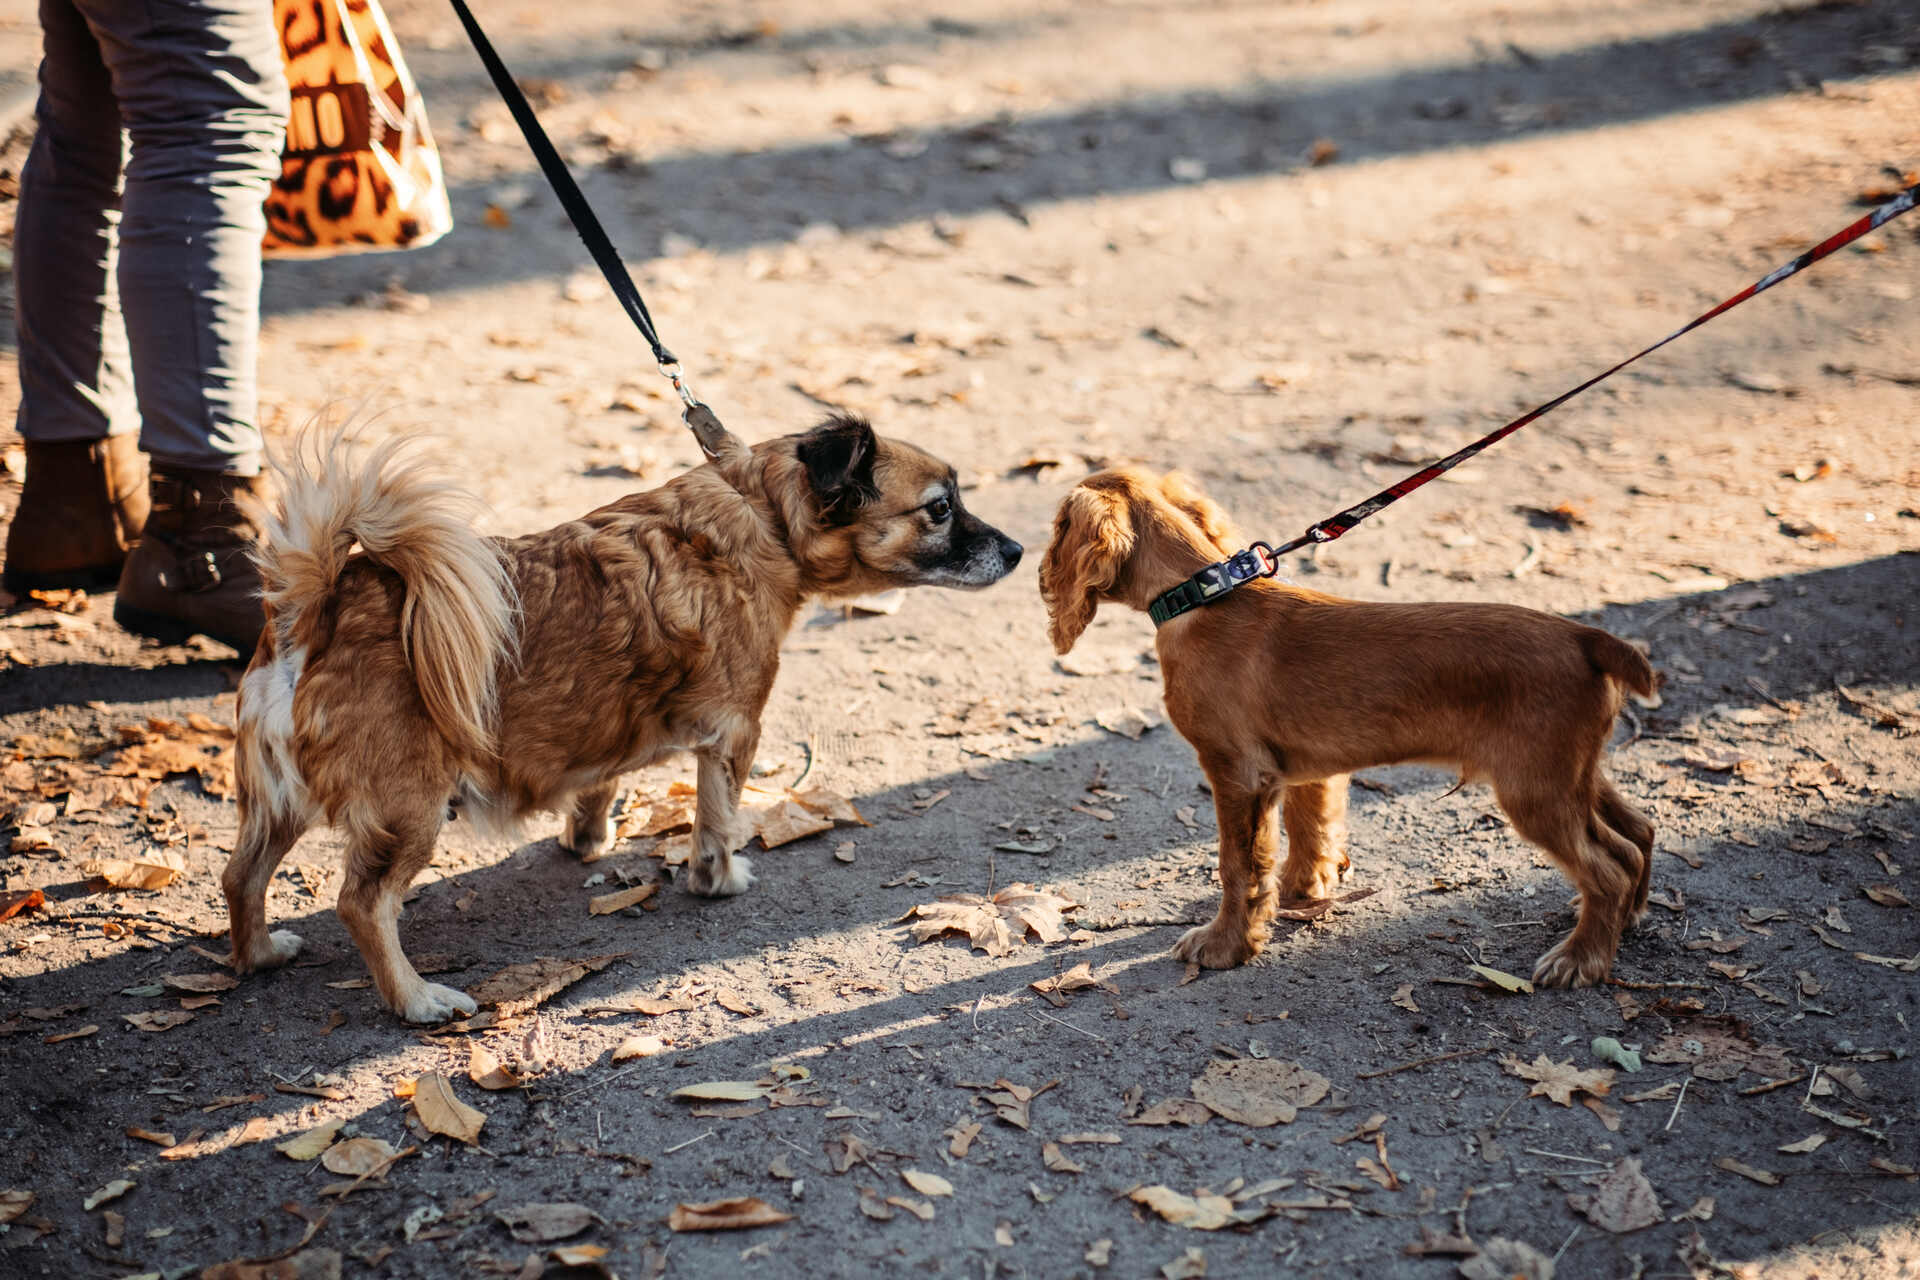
(409, 663)
(1283, 692)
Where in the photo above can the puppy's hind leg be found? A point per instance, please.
(1316, 816)
(1631, 823)
(381, 863)
(588, 832)
(1557, 822)
(265, 838)
(716, 871)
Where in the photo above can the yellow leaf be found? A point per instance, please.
(927, 1184)
(312, 1143)
(441, 1111)
(1505, 981)
(721, 1091)
(608, 903)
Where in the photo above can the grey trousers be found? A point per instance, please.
(137, 245)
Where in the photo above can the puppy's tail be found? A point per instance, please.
(1613, 656)
(456, 625)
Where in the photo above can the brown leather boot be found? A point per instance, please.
(192, 571)
(83, 506)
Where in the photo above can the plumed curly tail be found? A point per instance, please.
(393, 506)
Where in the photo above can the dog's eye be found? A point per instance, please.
(938, 510)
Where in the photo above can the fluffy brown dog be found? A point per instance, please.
(409, 662)
(1283, 692)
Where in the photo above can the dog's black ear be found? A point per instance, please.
(838, 456)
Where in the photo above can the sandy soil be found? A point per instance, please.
(1035, 239)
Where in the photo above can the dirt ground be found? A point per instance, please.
(1291, 248)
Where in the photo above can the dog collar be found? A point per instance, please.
(1213, 582)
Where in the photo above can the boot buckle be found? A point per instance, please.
(199, 571)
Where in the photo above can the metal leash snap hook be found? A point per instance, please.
(1269, 563)
(671, 368)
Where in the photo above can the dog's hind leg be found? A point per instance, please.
(265, 838)
(1556, 819)
(588, 832)
(1316, 817)
(716, 871)
(1628, 821)
(382, 860)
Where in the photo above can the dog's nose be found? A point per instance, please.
(1010, 551)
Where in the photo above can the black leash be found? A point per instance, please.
(1263, 561)
(699, 418)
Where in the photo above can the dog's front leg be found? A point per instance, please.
(588, 833)
(1316, 816)
(1233, 937)
(715, 872)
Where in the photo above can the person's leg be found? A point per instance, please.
(85, 496)
(203, 94)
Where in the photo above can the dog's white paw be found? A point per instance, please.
(738, 878)
(282, 946)
(435, 1003)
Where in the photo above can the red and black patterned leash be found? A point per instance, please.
(1262, 560)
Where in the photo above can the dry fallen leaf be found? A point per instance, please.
(1403, 996)
(12, 904)
(485, 1070)
(921, 1209)
(158, 1019)
(639, 1047)
(1128, 722)
(994, 924)
(440, 1110)
(961, 1138)
(1197, 1213)
(1173, 1111)
(1078, 978)
(608, 903)
(543, 1222)
(1505, 981)
(1559, 1080)
(733, 1214)
(1623, 1201)
(199, 983)
(720, 1091)
(1760, 1176)
(927, 1184)
(1503, 1259)
(313, 1143)
(1057, 1160)
(1812, 1142)
(13, 1203)
(521, 987)
(356, 1157)
(1258, 1092)
(155, 869)
(112, 1191)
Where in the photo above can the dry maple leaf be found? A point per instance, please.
(1623, 1201)
(1196, 1212)
(1258, 1091)
(155, 869)
(993, 924)
(1559, 1080)
(1173, 1111)
(733, 1214)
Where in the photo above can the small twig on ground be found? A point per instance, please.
(1555, 1155)
(1563, 1246)
(976, 1009)
(1424, 1062)
(597, 1083)
(1657, 986)
(1528, 561)
(689, 1142)
(1091, 1035)
(1675, 1113)
(1515, 924)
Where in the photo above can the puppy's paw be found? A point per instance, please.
(434, 1003)
(720, 878)
(280, 947)
(1320, 880)
(1565, 965)
(587, 841)
(1213, 947)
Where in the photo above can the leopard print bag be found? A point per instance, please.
(359, 171)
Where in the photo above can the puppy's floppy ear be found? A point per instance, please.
(1206, 513)
(1092, 538)
(838, 455)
